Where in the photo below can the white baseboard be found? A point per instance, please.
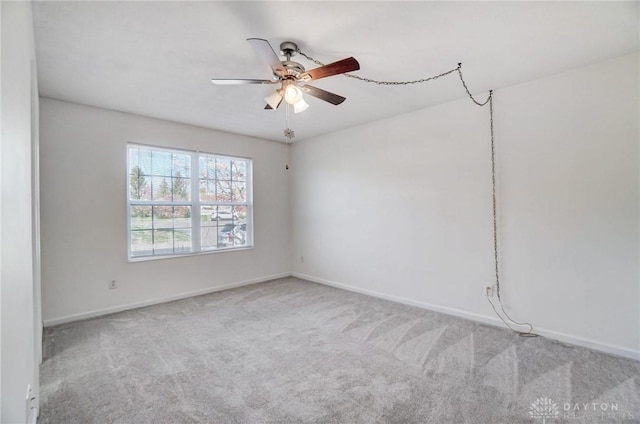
(551, 334)
(134, 305)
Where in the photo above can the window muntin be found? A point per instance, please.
(175, 208)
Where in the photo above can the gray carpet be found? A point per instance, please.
(291, 351)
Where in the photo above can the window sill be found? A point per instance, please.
(183, 255)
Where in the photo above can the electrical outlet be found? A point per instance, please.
(490, 290)
(301, 259)
(112, 284)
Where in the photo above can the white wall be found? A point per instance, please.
(398, 208)
(18, 356)
(84, 237)
(401, 207)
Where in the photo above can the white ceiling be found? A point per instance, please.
(157, 58)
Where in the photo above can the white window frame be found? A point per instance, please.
(195, 204)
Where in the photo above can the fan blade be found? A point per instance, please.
(241, 81)
(332, 98)
(340, 67)
(268, 56)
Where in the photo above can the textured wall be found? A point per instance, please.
(402, 207)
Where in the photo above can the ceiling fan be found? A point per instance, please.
(292, 76)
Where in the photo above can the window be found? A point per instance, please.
(182, 202)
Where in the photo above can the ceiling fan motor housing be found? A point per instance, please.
(293, 68)
(288, 48)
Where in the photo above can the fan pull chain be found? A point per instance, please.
(288, 132)
(489, 100)
(435, 77)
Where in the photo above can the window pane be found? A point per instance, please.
(141, 235)
(182, 240)
(141, 158)
(139, 185)
(240, 235)
(239, 191)
(139, 165)
(207, 167)
(207, 190)
(141, 217)
(209, 236)
(141, 243)
(181, 188)
(225, 235)
(181, 165)
(165, 176)
(163, 241)
(224, 213)
(182, 217)
(162, 217)
(238, 170)
(161, 188)
(167, 241)
(223, 189)
(221, 213)
(240, 214)
(209, 227)
(202, 166)
(160, 230)
(223, 169)
(208, 216)
(232, 235)
(161, 163)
